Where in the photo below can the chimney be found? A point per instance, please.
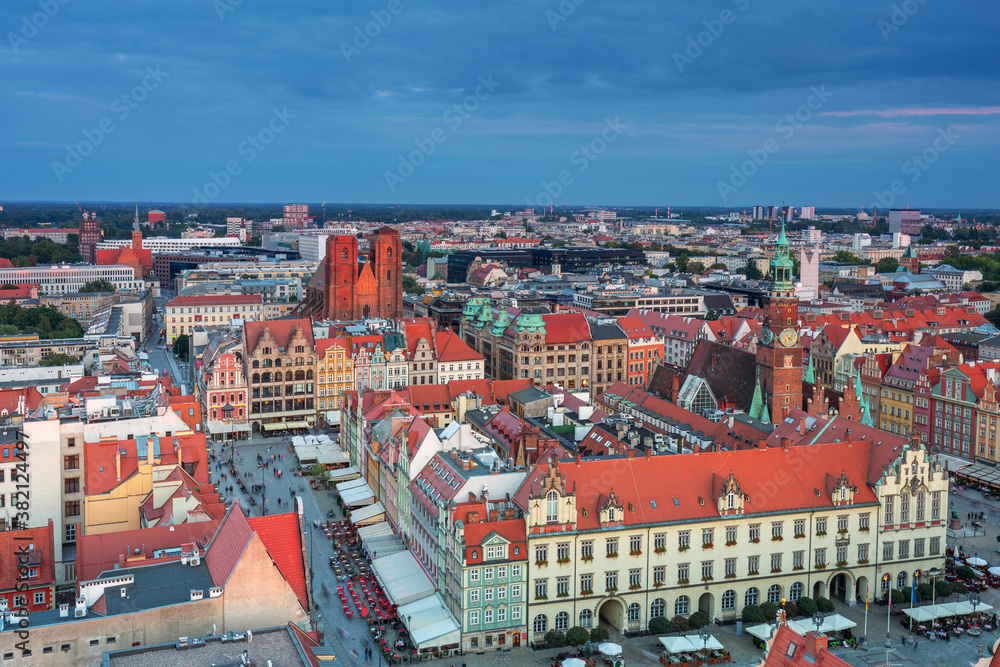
(802, 426)
(631, 453)
(649, 454)
(815, 642)
(676, 388)
(850, 439)
(762, 444)
(577, 460)
(784, 443)
(118, 462)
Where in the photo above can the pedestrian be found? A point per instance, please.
(916, 640)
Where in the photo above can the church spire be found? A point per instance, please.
(135, 223)
(758, 409)
(810, 373)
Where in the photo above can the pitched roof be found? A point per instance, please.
(282, 537)
(730, 373)
(566, 328)
(634, 327)
(451, 347)
(681, 488)
(101, 458)
(100, 553)
(228, 544)
(785, 638)
(281, 330)
(511, 530)
(41, 556)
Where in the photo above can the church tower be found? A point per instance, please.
(341, 267)
(779, 355)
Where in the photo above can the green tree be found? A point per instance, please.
(807, 606)
(753, 614)
(696, 267)
(57, 359)
(944, 588)
(411, 286)
(680, 623)
(711, 316)
(770, 611)
(577, 636)
(847, 257)
(699, 619)
(598, 634)
(965, 573)
(682, 262)
(98, 286)
(660, 625)
(180, 347)
(791, 609)
(555, 638)
(887, 265)
(994, 316)
(824, 605)
(751, 271)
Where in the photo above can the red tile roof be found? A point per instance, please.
(41, 556)
(777, 654)
(100, 459)
(228, 544)
(566, 328)
(650, 488)
(511, 530)
(10, 399)
(99, 553)
(634, 328)
(281, 330)
(451, 347)
(282, 536)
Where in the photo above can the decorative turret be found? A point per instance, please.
(782, 265)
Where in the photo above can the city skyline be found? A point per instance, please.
(208, 103)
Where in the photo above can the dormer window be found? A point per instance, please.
(552, 507)
(611, 514)
(731, 500)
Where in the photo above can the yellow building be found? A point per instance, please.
(335, 374)
(987, 410)
(628, 539)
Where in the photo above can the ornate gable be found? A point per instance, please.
(553, 506)
(841, 489)
(729, 497)
(610, 509)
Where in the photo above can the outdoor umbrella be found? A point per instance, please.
(976, 561)
(610, 648)
(574, 662)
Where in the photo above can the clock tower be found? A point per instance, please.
(779, 355)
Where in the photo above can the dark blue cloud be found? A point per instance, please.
(698, 85)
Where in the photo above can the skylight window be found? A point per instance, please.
(653, 504)
(677, 503)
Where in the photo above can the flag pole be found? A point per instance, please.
(888, 617)
(866, 611)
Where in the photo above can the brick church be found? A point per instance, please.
(349, 285)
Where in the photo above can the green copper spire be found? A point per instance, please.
(758, 409)
(782, 265)
(810, 373)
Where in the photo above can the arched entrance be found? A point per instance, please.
(706, 605)
(861, 591)
(819, 590)
(839, 587)
(367, 313)
(612, 612)
(256, 427)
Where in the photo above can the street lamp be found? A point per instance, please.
(818, 619)
(263, 492)
(704, 633)
(974, 600)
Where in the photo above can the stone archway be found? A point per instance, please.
(861, 591)
(840, 587)
(256, 427)
(706, 605)
(612, 611)
(819, 590)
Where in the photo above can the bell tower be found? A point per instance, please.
(387, 265)
(341, 277)
(779, 355)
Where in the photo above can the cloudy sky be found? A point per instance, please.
(722, 102)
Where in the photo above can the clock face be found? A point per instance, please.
(788, 337)
(766, 335)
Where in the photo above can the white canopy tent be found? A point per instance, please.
(945, 610)
(832, 623)
(402, 578)
(344, 474)
(429, 622)
(368, 514)
(376, 530)
(690, 643)
(359, 495)
(351, 484)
